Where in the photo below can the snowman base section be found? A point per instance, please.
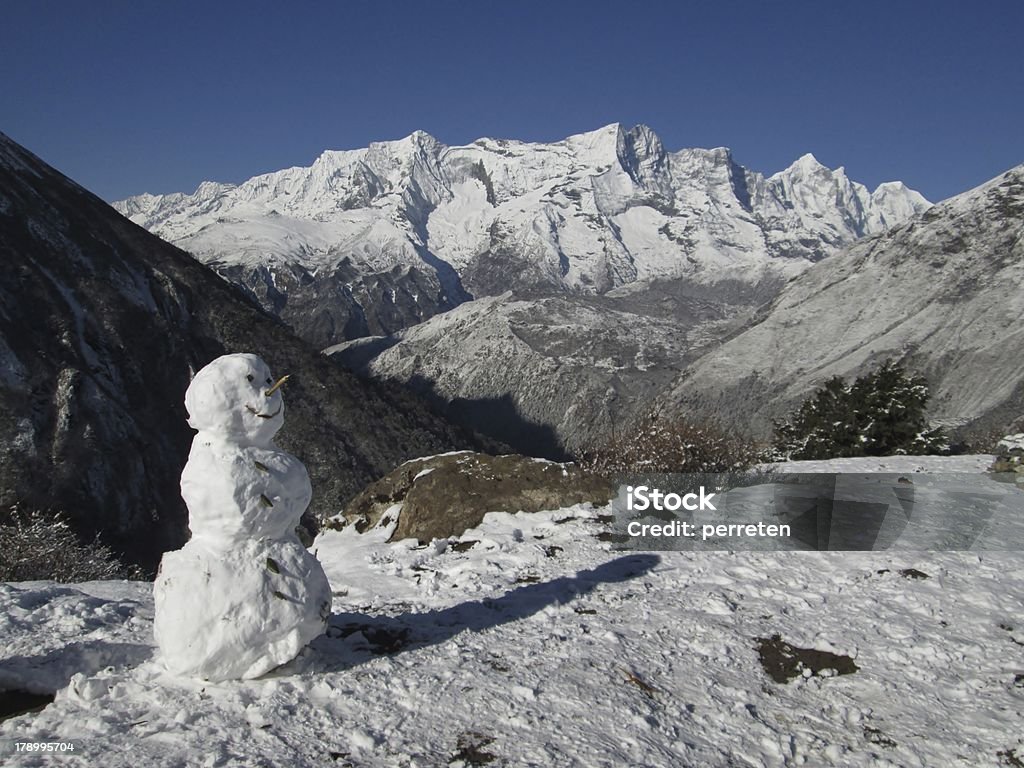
(238, 613)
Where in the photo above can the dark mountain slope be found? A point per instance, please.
(102, 325)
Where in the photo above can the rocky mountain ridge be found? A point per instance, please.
(369, 241)
(551, 374)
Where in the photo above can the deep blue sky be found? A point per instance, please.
(130, 97)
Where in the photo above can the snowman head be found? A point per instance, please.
(236, 397)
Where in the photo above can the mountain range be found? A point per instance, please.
(940, 292)
(548, 295)
(369, 241)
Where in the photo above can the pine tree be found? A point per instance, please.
(881, 413)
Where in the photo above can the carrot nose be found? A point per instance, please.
(277, 386)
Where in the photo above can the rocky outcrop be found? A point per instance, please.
(443, 496)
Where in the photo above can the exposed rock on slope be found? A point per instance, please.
(944, 292)
(369, 241)
(101, 325)
(442, 496)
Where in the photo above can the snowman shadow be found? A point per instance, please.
(352, 639)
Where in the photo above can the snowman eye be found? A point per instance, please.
(249, 376)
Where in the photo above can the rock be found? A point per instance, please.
(1009, 463)
(784, 662)
(1013, 444)
(442, 496)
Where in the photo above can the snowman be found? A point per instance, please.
(243, 595)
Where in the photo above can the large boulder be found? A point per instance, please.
(441, 496)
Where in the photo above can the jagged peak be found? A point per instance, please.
(643, 131)
(146, 198)
(420, 135)
(898, 190)
(804, 166)
(642, 141)
(335, 157)
(891, 189)
(603, 140)
(414, 141)
(704, 152)
(597, 148)
(417, 139)
(604, 132)
(642, 155)
(208, 189)
(807, 162)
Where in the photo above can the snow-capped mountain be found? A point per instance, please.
(372, 240)
(567, 370)
(101, 326)
(942, 292)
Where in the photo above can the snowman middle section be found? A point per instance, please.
(236, 492)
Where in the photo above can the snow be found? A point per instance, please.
(243, 595)
(1012, 442)
(381, 205)
(542, 645)
(940, 292)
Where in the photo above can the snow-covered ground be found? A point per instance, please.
(541, 645)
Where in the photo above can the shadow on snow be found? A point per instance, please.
(352, 639)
